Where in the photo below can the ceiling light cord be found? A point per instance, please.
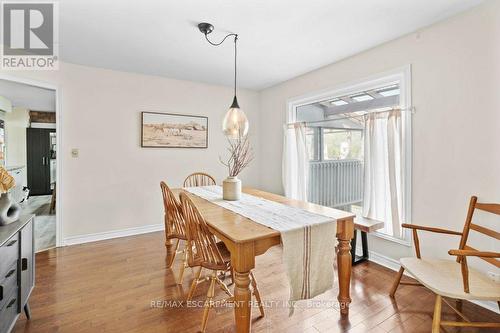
(222, 41)
(235, 123)
(235, 53)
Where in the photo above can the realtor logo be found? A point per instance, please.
(29, 35)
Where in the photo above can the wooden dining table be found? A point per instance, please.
(247, 239)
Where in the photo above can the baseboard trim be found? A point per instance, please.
(74, 240)
(394, 265)
(380, 259)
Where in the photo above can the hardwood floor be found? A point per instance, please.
(110, 286)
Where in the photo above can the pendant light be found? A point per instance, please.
(235, 123)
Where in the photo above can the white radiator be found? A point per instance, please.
(335, 183)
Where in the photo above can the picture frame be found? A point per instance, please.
(171, 130)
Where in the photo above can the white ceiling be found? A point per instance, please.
(29, 97)
(279, 39)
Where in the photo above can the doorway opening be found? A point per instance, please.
(29, 152)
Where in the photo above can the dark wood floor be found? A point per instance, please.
(109, 286)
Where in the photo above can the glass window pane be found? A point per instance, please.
(338, 102)
(342, 144)
(387, 93)
(362, 98)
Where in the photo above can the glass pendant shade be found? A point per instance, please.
(235, 123)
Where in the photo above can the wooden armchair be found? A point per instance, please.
(452, 278)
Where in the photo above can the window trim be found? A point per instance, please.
(401, 75)
(316, 143)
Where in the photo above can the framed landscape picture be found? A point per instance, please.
(167, 130)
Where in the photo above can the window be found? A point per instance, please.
(343, 125)
(342, 144)
(334, 144)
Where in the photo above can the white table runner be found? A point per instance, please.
(308, 238)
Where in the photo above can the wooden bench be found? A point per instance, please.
(365, 226)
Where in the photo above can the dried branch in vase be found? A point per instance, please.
(240, 155)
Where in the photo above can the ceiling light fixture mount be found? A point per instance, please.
(235, 123)
(205, 28)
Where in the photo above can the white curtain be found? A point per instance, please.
(295, 164)
(383, 172)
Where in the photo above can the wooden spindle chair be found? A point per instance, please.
(199, 179)
(206, 252)
(175, 227)
(453, 278)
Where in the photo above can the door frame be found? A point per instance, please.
(59, 162)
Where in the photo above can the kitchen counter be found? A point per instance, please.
(6, 231)
(14, 167)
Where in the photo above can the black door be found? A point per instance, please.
(38, 151)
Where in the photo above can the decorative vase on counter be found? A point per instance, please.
(9, 210)
(231, 189)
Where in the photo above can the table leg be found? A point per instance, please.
(345, 232)
(353, 247)
(364, 244)
(243, 261)
(242, 298)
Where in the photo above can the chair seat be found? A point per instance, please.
(226, 257)
(444, 277)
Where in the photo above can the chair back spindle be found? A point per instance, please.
(489, 257)
(199, 179)
(492, 208)
(468, 220)
(202, 249)
(174, 220)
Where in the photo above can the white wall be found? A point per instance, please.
(456, 80)
(5, 104)
(114, 184)
(16, 123)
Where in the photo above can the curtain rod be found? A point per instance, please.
(410, 109)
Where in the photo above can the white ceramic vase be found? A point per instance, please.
(231, 189)
(9, 210)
